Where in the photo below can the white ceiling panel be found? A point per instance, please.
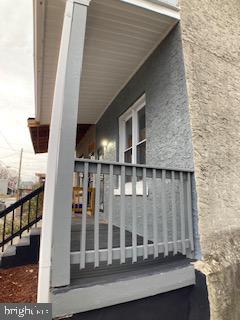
(119, 37)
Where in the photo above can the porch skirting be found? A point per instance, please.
(128, 287)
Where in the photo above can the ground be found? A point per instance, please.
(19, 284)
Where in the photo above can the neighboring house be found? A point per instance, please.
(8, 181)
(12, 181)
(3, 186)
(41, 177)
(25, 188)
(116, 84)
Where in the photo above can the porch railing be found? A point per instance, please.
(21, 216)
(152, 204)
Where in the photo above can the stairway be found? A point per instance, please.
(19, 235)
(25, 251)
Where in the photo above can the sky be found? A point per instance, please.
(17, 88)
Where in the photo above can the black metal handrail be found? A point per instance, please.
(21, 216)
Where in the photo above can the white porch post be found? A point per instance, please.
(54, 265)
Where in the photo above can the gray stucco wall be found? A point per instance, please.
(211, 33)
(168, 131)
(167, 121)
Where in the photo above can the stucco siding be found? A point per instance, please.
(168, 131)
(211, 33)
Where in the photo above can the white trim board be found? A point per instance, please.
(162, 7)
(130, 113)
(39, 13)
(54, 268)
(82, 2)
(116, 254)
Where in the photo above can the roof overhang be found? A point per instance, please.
(40, 134)
(120, 36)
(165, 7)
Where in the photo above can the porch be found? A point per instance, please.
(156, 220)
(133, 235)
(117, 249)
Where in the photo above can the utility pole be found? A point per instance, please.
(19, 170)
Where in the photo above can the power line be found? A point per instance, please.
(25, 151)
(7, 166)
(6, 140)
(9, 155)
(5, 148)
(3, 163)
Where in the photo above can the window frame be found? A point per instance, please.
(132, 112)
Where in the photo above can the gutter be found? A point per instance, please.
(39, 11)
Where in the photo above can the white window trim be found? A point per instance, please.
(130, 113)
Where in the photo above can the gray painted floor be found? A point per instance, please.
(104, 271)
(103, 235)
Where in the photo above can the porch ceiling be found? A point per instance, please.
(119, 37)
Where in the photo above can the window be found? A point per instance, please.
(132, 134)
(141, 138)
(132, 142)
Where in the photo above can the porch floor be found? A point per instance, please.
(92, 276)
(94, 288)
(103, 235)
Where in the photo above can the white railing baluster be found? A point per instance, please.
(96, 217)
(174, 215)
(84, 216)
(110, 214)
(122, 215)
(183, 233)
(134, 215)
(145, 219)
(164, 213)
(189, 208)
(179, 200)
(155, 224)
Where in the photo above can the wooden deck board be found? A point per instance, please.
(103, 234)
(90, 272)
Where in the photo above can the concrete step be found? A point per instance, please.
(23, 242)
(10, 251)
(25, 251)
